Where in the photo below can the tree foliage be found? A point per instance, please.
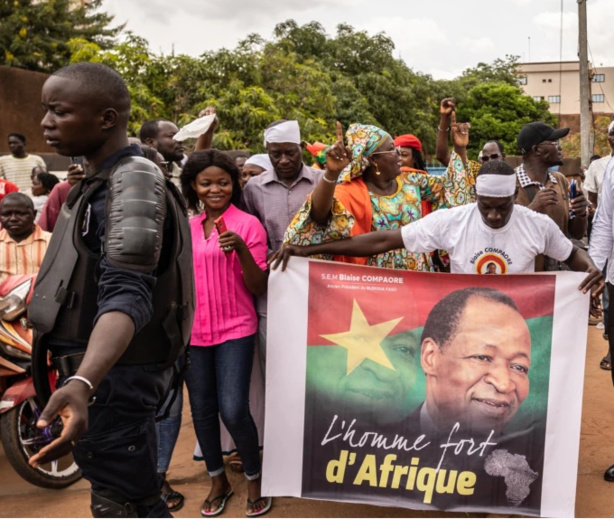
(499, 111)
(302, 73)
(35, 34)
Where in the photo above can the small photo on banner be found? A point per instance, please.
(432, 391)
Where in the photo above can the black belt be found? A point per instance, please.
(67, 365)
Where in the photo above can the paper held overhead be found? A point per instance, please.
(195, 129)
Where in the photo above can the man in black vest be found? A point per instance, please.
(113, 301)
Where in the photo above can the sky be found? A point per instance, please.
(437, 37)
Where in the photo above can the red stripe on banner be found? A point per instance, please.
(385, 294)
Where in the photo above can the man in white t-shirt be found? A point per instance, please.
(492, 230)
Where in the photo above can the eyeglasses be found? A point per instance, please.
(396, 150)
(486, 158)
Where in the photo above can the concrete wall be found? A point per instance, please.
(20, 108)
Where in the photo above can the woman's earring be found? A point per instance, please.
(377, 171)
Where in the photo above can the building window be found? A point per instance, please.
(538, 98)
(554, 99)
(550, 81)
(522, 80)
(599, 78)
(543, 80)
(598, 98)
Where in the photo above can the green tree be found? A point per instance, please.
(144, 72)
(35, 34)
(499, 71)
(499, 111)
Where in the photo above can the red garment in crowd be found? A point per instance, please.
(51, 210)
(6, 187)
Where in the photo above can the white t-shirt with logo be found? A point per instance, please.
(475, 248)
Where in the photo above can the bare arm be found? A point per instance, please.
(442, 152)
(460, 137)
(368, 244)
(205, 141)
(255, 278)
(337, 158)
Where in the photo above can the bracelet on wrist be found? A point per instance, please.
(328, 179)
(440, 130)
(86, 382)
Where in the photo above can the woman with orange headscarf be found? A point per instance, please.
(363, 189)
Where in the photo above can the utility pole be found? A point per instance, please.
(585, 86)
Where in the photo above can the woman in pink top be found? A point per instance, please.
(229, 269)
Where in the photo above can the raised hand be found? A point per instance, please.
(447, 106)
(337, 156)
(459, 132)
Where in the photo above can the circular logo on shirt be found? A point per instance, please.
(491, 263)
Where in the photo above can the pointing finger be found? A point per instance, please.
(339, 132)
(453, 119)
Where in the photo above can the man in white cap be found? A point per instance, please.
(276, 195)
(492, 230)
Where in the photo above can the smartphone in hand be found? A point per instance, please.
(78, 161)
(220, 225)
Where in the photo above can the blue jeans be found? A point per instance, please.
(167, 430)
(218, 383)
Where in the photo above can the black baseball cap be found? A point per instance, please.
(534, 133)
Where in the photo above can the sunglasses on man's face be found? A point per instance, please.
(494, 156)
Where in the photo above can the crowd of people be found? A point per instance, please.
(367, 199)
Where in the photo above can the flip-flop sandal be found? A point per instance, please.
(221, 498)
(169, 495)
(250, 503)
(606, 363)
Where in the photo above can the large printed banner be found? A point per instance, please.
(425, 391)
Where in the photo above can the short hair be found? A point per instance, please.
(150, 129)
(593, 158)
(496, 167)
(200, 160)
(445, 316)
(491, 263)
(99, 79)
(498, 143)
(17, 195)
(19, 136)
(48, 180)
(44, 168)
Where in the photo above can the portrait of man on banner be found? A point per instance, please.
(433, 393)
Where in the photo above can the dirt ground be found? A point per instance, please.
(20, 499)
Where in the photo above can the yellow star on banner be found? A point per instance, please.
(363, 341)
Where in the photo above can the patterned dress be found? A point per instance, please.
(388, 212)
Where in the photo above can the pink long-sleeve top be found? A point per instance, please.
(224, 306)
